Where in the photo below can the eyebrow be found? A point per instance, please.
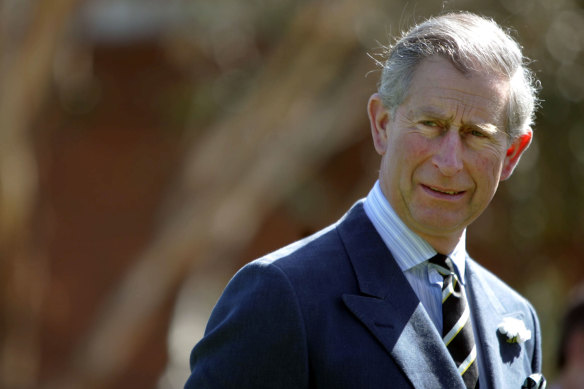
(430, 111)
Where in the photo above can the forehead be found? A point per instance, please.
(437, 87)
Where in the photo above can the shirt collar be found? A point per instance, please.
(408, 249)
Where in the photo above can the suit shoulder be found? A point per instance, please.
(323, 246)
(319, 246)
(308, 264)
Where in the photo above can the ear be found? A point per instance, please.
(514, 152)
(379, 119)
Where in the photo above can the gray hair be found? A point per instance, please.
(473, 44)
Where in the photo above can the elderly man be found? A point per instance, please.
(388, 296)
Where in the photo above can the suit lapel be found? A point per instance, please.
(390, 309)
(483, 300)
(488, 313)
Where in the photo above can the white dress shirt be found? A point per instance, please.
(411, 253)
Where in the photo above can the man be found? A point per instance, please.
(360, 304)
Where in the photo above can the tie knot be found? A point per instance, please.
(443, 262)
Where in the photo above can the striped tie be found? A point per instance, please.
(457, 327)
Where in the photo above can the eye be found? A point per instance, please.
(478, 133)
(429, 123)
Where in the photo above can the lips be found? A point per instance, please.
(443, 191)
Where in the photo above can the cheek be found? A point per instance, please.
(412, 147)
(487, 170)
(404, 154)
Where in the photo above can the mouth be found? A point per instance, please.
(444, 191)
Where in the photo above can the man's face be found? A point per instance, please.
(444, 150)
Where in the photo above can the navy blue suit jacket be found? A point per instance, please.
(335, 311)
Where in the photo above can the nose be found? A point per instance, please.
(448, 155)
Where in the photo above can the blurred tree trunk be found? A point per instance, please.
(27, 44)
(308, 105)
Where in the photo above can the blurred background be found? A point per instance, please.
(148, 149)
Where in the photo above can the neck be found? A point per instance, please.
(442, 245)
(447, 243)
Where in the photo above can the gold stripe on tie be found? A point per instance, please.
(457, 326)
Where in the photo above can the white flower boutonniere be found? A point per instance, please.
(515, 330)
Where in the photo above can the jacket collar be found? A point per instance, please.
(390, 309)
